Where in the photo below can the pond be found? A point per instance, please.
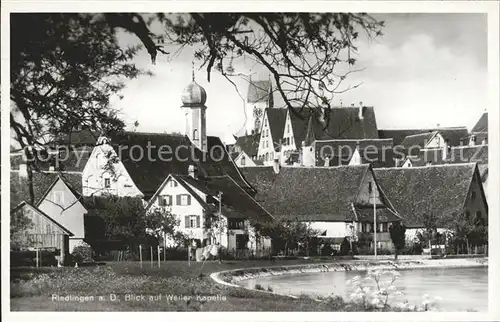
(460, 289)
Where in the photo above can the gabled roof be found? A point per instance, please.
(440, 190)
(482, 124)
(149, 174)
(299, 120)
(453, 135)
(344, 123)
(418, 140)
(67, 183)
(425, 156)
(310, 193)
(26, 204)
(398, 135)
(376, 151)
(468, 154)
(236, 202)
(248, 143)
(66, 159)
(258, 91)
(42, 181)
(276, 118)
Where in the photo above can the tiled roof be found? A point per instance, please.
(73, 159)
(309, 193)
(423, 157)
(399, 135)
(248, 143)
(258, 91)
(415, 191)
(260, 178)
(482, 124)
(84, 137)
(299, 121)
(343, 123)
(466, 154)
(417, 140)
(276, 118)
(236, 202)
(149, 174)
(454, 135)
(340, 152)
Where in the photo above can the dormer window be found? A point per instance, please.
(243, 161)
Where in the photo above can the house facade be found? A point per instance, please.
(448, 192)
(338, 201)
(64, 205)
(197, 202)
(271, 135)
(44, 232)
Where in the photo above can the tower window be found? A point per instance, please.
(195, 134)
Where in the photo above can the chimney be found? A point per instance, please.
(361, 111)
(327, 161)
(472, 140)
(446, 149)
(276, 165)
(192, 171)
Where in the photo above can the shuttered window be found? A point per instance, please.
(183, 200)
(192, 221)
(165, 200)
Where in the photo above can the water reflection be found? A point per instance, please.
(461, 289)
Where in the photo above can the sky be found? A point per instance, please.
(427, 69)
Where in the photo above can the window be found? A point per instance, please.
(385, 227)
(288, 128)
(107, 183)
(195, 134)
(467, 215)
(183, 200)
(165, 200)
(265, 122)
(243, 161)
(267, 156)
(192, 221)
(473, 196)
(173, 183)
(370, 188)
(57, 197)
(479, 219)
(236, 223)
(287, 141)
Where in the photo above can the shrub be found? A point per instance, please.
(259, 287)
(269, 288)
(83, 253)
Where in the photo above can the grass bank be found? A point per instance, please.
(108, 288)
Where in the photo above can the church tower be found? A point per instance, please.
(193, 103)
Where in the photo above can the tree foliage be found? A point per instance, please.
(286, 233)
(162, 223)
(115, 219)
(64, 70)
(397, 230)
(19, 224)
(308, 55)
